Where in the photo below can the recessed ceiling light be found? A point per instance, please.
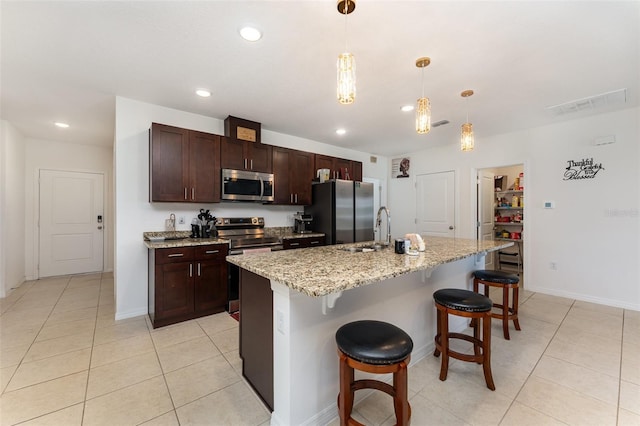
(204, 93)
(61, 124)
(406, 108)
(341, 131)
(250, 33)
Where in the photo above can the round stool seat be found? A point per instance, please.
(462, 300)
(499, 277)
(374, 342)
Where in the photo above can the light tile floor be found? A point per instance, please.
(65, 361)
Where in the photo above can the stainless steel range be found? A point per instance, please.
(246, 235)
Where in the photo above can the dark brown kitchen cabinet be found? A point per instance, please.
(186, 283)
(184, 165)
(243, 155)
(302, 242)
(340, 168)
(293, 173)
(256, 334)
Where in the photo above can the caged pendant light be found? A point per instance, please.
(346, 62)
(423, 110)
(466, 136)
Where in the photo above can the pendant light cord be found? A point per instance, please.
(346, 7)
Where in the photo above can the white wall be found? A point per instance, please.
(52, 155)
(12, 221)
(135, 214)
(593, 234)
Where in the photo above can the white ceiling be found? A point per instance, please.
(66, 61)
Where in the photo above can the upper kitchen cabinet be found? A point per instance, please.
(245, 155)
(184, 165)
(293, 172)
(340, 168)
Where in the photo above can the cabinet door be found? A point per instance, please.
(301, 174)
(169, 163)
(174, 290)
(282, 190)
(356, 166)
(210, 285)
(343, 167)
(259, 157)
(204, 167)
(325, 162)
(232, 155)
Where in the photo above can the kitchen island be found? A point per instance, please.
(315, 291)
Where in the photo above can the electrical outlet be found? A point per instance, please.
(181, 220)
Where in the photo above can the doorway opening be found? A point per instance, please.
(500, 215)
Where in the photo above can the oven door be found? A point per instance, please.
(240, 185)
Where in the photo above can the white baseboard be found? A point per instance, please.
(579, 296)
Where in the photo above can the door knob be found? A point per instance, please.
(99, 227)
(450, 227)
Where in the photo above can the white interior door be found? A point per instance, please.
(71, 223)
(435, 204)
(486, 219)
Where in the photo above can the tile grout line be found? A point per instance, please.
(624, 314)
(534, 368)
(34, 339)
(93, 342)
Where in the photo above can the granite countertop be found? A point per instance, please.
(286, 233)
(173, 239)
(324, 270)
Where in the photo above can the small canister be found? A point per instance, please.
(399, 246)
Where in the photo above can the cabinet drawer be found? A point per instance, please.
(173, 255)
(214, 251)
(316, 241)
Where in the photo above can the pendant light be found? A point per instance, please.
(423, 110)
(346, 62)
(466, 136)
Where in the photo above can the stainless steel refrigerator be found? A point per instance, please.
(342, 210)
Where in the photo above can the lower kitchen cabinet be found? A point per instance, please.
(186, 283)
(302, 242)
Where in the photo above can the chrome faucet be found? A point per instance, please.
(379, 224)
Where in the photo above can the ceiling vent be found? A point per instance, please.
(591, 103)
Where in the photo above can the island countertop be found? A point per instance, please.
(320, 271)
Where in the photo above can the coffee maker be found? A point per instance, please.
(302, 223)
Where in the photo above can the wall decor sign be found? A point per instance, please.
(582, 169)
(400, 167)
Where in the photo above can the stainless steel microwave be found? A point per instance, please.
(241, 185)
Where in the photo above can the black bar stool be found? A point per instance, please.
(464, 303)
(373, 347)
(505, 281)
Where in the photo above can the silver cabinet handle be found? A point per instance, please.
(314, 242)
(252, 164)
(245, 163)
(190, 270)
(176, 255)
(294, 244)
(296, 198)
(185, 193)
(199, 269)
(211, 251)
(291, 198)
(193, 193)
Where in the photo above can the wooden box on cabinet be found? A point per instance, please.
(186, 283)
(184, 165)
